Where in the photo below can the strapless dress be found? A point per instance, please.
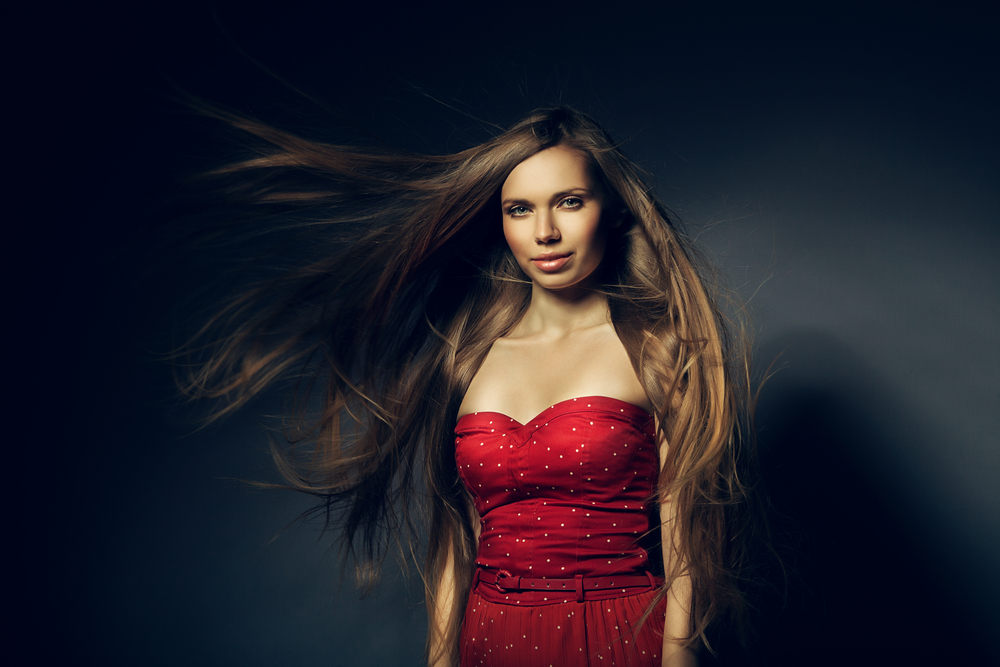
(568, 515)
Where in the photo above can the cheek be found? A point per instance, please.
(508, 237)
(514, 242)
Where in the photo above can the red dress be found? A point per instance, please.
(567, 520)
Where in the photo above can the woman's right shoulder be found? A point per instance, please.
(487, 382)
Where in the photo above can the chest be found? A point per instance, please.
(584, 451)
(522, 377)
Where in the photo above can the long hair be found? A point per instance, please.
(409, 285)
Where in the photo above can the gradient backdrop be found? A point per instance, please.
(840, 166)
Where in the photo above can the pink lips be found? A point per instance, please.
(551, 262)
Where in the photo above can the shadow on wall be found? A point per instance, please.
(863, 588)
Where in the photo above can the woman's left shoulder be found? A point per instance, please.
(617, 374)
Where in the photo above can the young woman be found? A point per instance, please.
(516, 339)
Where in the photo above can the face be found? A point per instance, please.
(552, 218)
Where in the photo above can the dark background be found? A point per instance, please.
(839, 165)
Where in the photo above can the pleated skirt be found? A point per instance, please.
(603, 633)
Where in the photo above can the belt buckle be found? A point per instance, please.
(496, 582)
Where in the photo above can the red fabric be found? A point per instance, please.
(569, 493)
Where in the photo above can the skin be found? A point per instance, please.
(555, 224)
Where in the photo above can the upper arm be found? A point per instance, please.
(677, 624)
(442, 612)
(446, 602)
(678, 617)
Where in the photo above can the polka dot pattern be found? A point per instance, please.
(581, 634)
(567, 493)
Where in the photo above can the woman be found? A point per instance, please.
(518, 330)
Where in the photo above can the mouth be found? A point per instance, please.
(551, 262)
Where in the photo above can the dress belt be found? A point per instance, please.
(581, 585)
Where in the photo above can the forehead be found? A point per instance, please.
(552, 170)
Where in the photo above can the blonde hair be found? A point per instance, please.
(410, 285)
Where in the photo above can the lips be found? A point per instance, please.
(551, 262)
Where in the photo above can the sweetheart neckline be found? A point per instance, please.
(552, 407)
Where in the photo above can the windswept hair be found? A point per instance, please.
(410, 284)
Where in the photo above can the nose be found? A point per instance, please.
(545, 228)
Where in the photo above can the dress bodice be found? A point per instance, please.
(568, 493)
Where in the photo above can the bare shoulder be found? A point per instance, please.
(610, 369)
(492, 383)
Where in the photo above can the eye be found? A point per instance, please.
(518, 211)
(571, 202)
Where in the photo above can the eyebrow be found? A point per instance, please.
(571, 191)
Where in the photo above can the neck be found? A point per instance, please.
(555, 313)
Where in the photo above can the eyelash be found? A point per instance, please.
(578, 203)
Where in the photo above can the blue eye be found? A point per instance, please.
(571, 202)
(517, 211)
